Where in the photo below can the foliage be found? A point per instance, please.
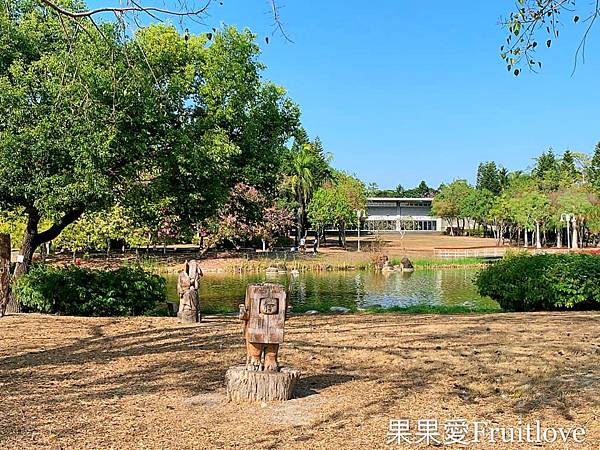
(535, 24)
(307, 169)
(336, 203)
(84, 292)
(160, 122)
(96, 230)
(543, 282)
(447, 203)
(421, 191)
(594, 169)
(248, 215)
(489, 177)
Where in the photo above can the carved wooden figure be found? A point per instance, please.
(4, 272)
(188, 286)
(264, 313)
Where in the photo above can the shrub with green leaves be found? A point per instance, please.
(544, 282)
(127, 291)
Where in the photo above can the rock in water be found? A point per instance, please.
(340, 309)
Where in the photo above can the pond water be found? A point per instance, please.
(353, 289)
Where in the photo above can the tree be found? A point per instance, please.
(476, 204)
(336, 203)
(308, 167)
(488, 177)
(580, 204)
(302, 183)
(160, 122)
(421, 191)
(594, 169)
(567, 167)
(547, 171)
(448, 205)
(248, 215)
(137, 12)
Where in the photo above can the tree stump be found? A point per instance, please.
(245, 385)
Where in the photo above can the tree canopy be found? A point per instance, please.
(162, 123)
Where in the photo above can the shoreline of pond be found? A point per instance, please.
(291, 267)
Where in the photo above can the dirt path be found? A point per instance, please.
(87, 383)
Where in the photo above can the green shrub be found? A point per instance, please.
(83, 292)
(543, 282)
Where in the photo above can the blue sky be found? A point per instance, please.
(402, 91)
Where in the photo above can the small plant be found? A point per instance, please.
(128, 291)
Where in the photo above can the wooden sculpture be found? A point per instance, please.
(188, 286)
(262, 379)
(263, 313)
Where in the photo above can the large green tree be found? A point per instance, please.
(336, 204)
(160, 122)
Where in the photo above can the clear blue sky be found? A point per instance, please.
(401, 91)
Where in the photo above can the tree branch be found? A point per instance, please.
(123, 10)
(53, 232)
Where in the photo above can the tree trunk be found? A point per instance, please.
(5, 253)
(259, 386)
(559, 237)
(300, 225)
(526, 238)
(538, 238)
(29, 244)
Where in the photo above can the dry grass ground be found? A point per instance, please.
(133, 383)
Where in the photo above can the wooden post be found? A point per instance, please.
(5, 251)
(262, 379)
(188, 287)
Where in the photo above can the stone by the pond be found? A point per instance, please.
(339, 309)
(311, 312)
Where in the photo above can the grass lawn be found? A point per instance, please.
(130, 383)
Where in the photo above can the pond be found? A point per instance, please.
(221, 293)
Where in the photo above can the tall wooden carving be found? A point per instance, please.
(263, 313)
(4, 272)
(188, 286)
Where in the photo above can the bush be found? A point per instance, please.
(75, 291)
(543, 282)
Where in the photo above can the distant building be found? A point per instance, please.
(394, 214)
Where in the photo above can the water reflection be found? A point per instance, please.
(350, 289)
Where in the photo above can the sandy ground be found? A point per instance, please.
(151, 383)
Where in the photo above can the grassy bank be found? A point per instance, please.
(375, 309)
(438, 263)
(334, 262)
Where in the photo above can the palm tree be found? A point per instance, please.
(302, 182)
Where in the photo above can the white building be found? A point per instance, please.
(394, 214)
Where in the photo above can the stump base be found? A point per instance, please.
(250, 386)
